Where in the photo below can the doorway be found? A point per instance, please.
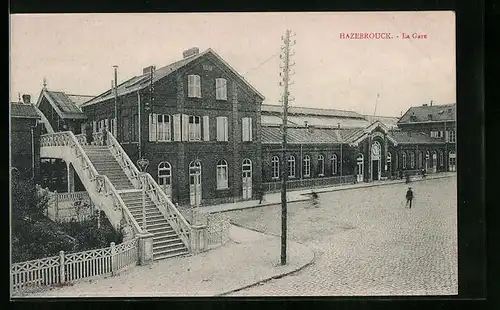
(246, 172)
(195, 183)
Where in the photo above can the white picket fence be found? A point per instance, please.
(74, 266)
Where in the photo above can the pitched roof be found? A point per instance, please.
(23, 110)
(271, 108)
(299, 135)
(444, 112)
(142, 81)
(405, 137)
(389, 121)
(67, 106)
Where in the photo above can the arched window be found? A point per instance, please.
(246, 165)
(420, 158)
(164, 173)
(389, 157)
(441, 158)
(321, 165)
(412, 160)
(222, 177)
(333, 162)
(275, 163)
(291, 166)
(404, 160)
(307, 166)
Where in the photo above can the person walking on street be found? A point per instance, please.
(260, 193)
(409, 196)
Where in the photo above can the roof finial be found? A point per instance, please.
(44, 82)
(18, 97)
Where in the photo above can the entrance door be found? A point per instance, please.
(246, 169)
(434, 161)
(376, 169)
(195, 183)
(360, 167)
(427, 161)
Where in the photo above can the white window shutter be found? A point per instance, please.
(226, 129)
(152, 127)
(197, 86)
(106, 123)
(114, 127)
(185, 127)
(219, 126)
(249, 129)
(190, 85)
(94, 126)
(447, 135)
(177, 127)
(244, 129)
(206, 128)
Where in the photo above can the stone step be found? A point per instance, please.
(157, 224)
(160, 229)
(170, 254)
(168, 248)
(157, 244)
(165, 237)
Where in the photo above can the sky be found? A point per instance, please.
(76, 54)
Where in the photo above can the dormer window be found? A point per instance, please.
(429, 117)
(220, 89)
(194, 86)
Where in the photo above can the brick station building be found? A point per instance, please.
(209, 139)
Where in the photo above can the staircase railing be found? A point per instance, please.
(164, 204)
(168, 209)
(103, 185)
(125, 162)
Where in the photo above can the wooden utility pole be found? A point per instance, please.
(116, 101)
(284, 162)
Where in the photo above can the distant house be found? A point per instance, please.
(61, 111)
(24, 138)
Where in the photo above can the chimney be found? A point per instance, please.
(431, 103)
(306, 124)
(425, 104)
(26, 99)
(147, 70)
(190, 52)
(338, 125)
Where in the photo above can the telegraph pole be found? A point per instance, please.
(116, 100)
(284, 162)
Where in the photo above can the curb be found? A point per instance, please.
(278, 276)
(325, 190)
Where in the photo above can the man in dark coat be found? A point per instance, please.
(409, 196)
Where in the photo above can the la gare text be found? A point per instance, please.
(380, 35)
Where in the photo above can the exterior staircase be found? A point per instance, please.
(166, 243)
(116, 186)
(106, 164)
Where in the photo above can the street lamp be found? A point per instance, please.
(143, 163)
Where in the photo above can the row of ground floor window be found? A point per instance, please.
(210, 182)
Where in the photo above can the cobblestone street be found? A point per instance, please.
(367, 242)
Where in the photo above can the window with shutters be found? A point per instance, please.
(222, 177)
(412, 160)
(291, 166)
(220, 89)
(307, 166)
(275, 163)
(163, 127)
(404, 160)
(321, 165)
(441, 158)
(134, 128)
(194, 86)
(206, 128)
(246, 129)
(194, 128)
(222, 131)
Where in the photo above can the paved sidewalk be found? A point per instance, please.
(302, 194)
(247, 259)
